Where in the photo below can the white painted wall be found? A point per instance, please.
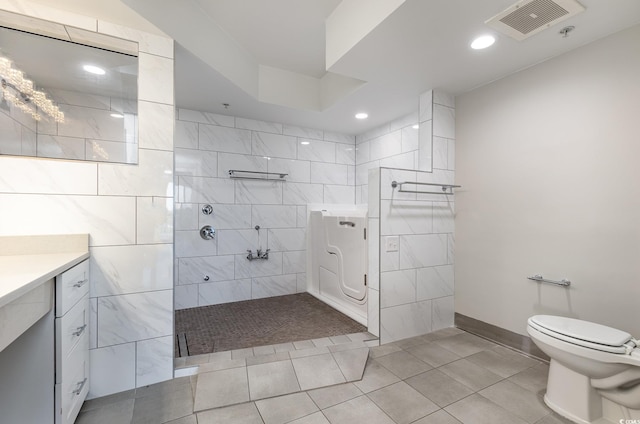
(548, 160)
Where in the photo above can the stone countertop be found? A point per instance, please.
(27, 262)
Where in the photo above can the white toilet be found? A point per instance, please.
(594, 373)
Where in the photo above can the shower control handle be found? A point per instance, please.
(207, 232)
(349, 223)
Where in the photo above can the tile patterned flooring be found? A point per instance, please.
(445, 377)
(259, 322)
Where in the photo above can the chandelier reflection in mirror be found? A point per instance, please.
(21, 92)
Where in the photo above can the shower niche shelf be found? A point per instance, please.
(257, 175)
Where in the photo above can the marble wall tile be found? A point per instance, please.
(112, 369)
(155, 125)
(301, 194)
(443, 313)
(186, 296)
(262, 126)
(111, 151)
(131, 269)
(186, 216)
(301, 282)
(206, 118)
(401, 161)
(286, 239)
(154, 361)
(351, 175)
(29, 138)
(387, 176)
(363, 154)
(226, 217)
(397, 287)
(425, 148)
(196, 163)
(405, 217)
(451, 246)
(386, 145)
(223, 139)
(451, 155)
(55, 177)
(76, 98)
(362, 172)
(328, 173)
(228, 161)
(132, 317)
(301, 217)
(232, 242)
(303, 132)
(152, 177)
(109, 220)
(277, 285)
(410, 139)
(314, 150)
(93, 323)
(339, 138)
(339, 194)
(404, 321)
(345, 154)
(374, 133)
(155, 78)
(83, 122)
(245, 268)
(148, 43)
(443, 217)
(273, 145)
(11, 141)
(273, 216)
(190, 244)
(52, 146)
(154, 220)
(426, 106)
(186, 135)
(404, 121)
(260, 192)
(205, 190)
(443, 98)
(299, 171)
(434, 282)
(194, 270)
(293, 262)
(373, 312)
(444, 121)
(373, 247)
(224, 292)
(373, 192)
(417, 251)
(440, 154)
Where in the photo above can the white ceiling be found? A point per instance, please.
(423, 44)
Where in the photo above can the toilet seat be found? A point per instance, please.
(583, 333)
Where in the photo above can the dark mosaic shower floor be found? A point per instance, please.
(258, 322)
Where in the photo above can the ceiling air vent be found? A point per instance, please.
(528, 17)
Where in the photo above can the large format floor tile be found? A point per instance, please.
(446, 377)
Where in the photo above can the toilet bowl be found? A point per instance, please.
(591, 366)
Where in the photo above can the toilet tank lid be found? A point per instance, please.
(582, 330)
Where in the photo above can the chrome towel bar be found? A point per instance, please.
(257, 175)
(446, 188)
(564, 282)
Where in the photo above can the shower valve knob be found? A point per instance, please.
(207, 232)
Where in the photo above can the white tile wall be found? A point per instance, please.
(127, 211)
(322, 170)
(416, 280)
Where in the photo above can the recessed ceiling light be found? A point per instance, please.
(416, 126)
(94, 69)
(117, 115)
(362, 115)
(304, 142)
(483, 42)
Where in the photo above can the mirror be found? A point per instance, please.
(72, 111)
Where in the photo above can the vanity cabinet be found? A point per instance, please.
(71, 342)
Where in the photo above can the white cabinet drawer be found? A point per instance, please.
(71, 331)
(72, 391)
(71, 286)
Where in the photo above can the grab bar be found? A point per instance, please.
(446, 188)
(564, 282)
(349, 223)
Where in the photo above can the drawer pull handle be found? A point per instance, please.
(80, 386)
(79, 330)
(81, 283)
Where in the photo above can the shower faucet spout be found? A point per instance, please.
(259, 254)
